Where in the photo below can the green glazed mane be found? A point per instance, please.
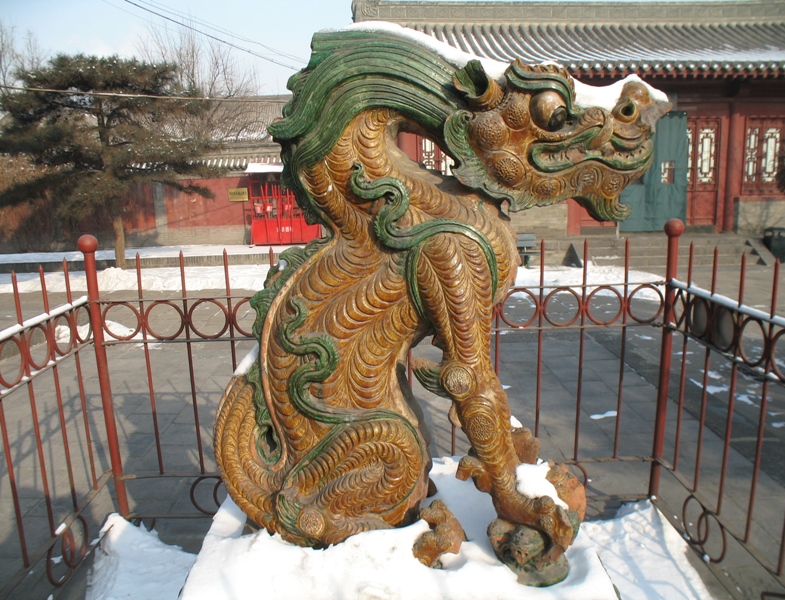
(350, 72)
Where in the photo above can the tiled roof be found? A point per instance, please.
(237, 156)
(743, 38)
(678, 50)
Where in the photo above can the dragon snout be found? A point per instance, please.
(637, 103)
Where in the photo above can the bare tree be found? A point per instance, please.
(208, 69)
(16, 57)
(7, 56)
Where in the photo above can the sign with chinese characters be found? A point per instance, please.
(238, 194)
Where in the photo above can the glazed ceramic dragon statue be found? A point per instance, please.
(322, 438)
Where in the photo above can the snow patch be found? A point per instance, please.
(605, 415)
(118, 331)
(133, 563)
(596, 276)
(531, 481)
(711, 389)
(607, 96)
(644, 555)
(247, 362)
(164, 279)
(251, 277)
(380, 565)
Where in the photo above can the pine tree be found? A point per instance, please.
(97, 127)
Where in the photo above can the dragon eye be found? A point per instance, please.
(549, 110)
(558, 119)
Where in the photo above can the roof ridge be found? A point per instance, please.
(698, 11)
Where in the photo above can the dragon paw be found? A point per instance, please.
(446, 535)
(525, 551)
(471, 466)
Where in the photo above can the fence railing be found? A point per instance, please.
(50, 471)
(107, 403)
(617, 305)
(724, 450)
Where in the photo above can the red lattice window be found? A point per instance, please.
(762, 145)
(431, 156)
(703, 142)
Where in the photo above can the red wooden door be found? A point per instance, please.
(703, 180)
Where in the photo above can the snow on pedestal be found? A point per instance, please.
(645, 558)
(379, 564)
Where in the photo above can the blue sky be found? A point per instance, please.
(106, 27)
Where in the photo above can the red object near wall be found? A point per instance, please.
(276, 218)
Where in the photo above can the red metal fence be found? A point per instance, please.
(107, 404)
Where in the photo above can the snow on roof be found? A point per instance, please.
(264, 168)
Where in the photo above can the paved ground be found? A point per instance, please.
(609, 483)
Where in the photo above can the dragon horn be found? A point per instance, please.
(482, 92)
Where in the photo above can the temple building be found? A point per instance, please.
(722, 63)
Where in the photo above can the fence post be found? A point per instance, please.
(87, 244)
(673, 229)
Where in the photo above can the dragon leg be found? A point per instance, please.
(454, 286)
(365, 475)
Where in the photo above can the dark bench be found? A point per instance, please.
(527, 247)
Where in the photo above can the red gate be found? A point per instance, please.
(276, 218)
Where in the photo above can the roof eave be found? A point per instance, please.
(680, 71)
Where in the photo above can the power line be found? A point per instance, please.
(217, 39)
(263, 99)
(191, 19)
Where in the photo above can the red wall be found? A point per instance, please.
(192, 210)
(138, 210)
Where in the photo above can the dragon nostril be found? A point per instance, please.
(627, 111)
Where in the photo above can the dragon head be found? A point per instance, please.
(527, 140)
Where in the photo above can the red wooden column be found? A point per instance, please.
(735, 164)
(408, 142)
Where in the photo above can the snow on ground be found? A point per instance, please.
(642, 555)
(596, 276)
(251, 277)
(130, 253)
(164, 279)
